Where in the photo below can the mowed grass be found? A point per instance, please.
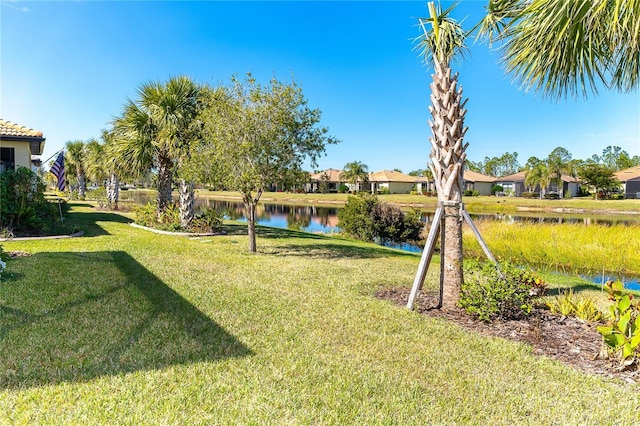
(124, 326)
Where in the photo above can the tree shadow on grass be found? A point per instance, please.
(98, 314)
(325, 246)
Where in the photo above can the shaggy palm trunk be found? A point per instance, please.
(187, 202)
(82, 185)
(447, 158)
(164, 185)
(113, 191)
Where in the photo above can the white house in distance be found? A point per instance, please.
(630, 179)
(19, 146)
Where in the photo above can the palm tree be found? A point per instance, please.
(441, 41)
(537, 174)
(95, 160)
(75, 160)
(355, 172)
(560, 47)
(114, 166)
(156, 131)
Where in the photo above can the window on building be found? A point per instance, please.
(7, 159)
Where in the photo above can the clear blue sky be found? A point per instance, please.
(67, 68)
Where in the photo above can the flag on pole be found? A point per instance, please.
(58, 171)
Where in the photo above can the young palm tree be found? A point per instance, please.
(537, 174)
(95, 160)
(75, 160)
(441, 41)
(355, 172)
(113, 166)
(561, 47)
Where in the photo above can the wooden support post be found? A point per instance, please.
(427, 254)
(484, 246)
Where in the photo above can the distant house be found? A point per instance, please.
(394, 182)
(514, 184)
(19, 146)
(479, 182)
(630, 179)
(330, 176)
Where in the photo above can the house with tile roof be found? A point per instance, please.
(478, 181)
(19, 146)
(395, 182)
(630, 179)
(330, 176)
(514, 184)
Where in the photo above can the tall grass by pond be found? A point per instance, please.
(125, 326)
(563, 247)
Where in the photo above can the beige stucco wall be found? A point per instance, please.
(398, 187)
(484, 188)
(22, 152)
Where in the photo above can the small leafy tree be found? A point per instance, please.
(257, 136)
(599, 176)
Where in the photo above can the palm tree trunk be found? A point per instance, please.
(447, 165)
(164, 184)
(81, 186)
(113, 191)
(187, 201)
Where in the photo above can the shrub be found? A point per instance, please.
(366, 218)
(496, 188)
(343, 188)
(23, 208)
(621, 334)
(209, 220)
(531, 195)
(491, 293)
(552, 196)
(383, 190)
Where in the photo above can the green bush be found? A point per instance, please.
(209, 220)
(621, 334)
(491, 293)
(552, 196)
(531, 195)
(496, 188)
(343, 188)
(383, 190)
(23, 208)
(366, 218)
(569, 304)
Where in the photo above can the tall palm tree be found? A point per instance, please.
(561, 48)
(75, 160)
(355, 172)
(156, 131)
(538, 174)
(443, 39)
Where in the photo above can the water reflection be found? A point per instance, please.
(325, 219)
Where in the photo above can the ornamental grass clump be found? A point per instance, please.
(506, 292)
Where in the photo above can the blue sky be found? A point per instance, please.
(67, 68)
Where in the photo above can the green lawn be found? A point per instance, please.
(124, 326)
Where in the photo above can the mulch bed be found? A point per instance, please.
(566, 339)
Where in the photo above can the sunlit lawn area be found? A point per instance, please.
(124, 326)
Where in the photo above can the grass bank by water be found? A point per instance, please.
(125, 326)
(473, 204)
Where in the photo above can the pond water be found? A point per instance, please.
(324, 220)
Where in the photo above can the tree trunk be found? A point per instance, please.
(452, 257)
(250, 211)
(447, 165)
(164, 185)
(113, 191)
(81, 186)
(187, 201)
